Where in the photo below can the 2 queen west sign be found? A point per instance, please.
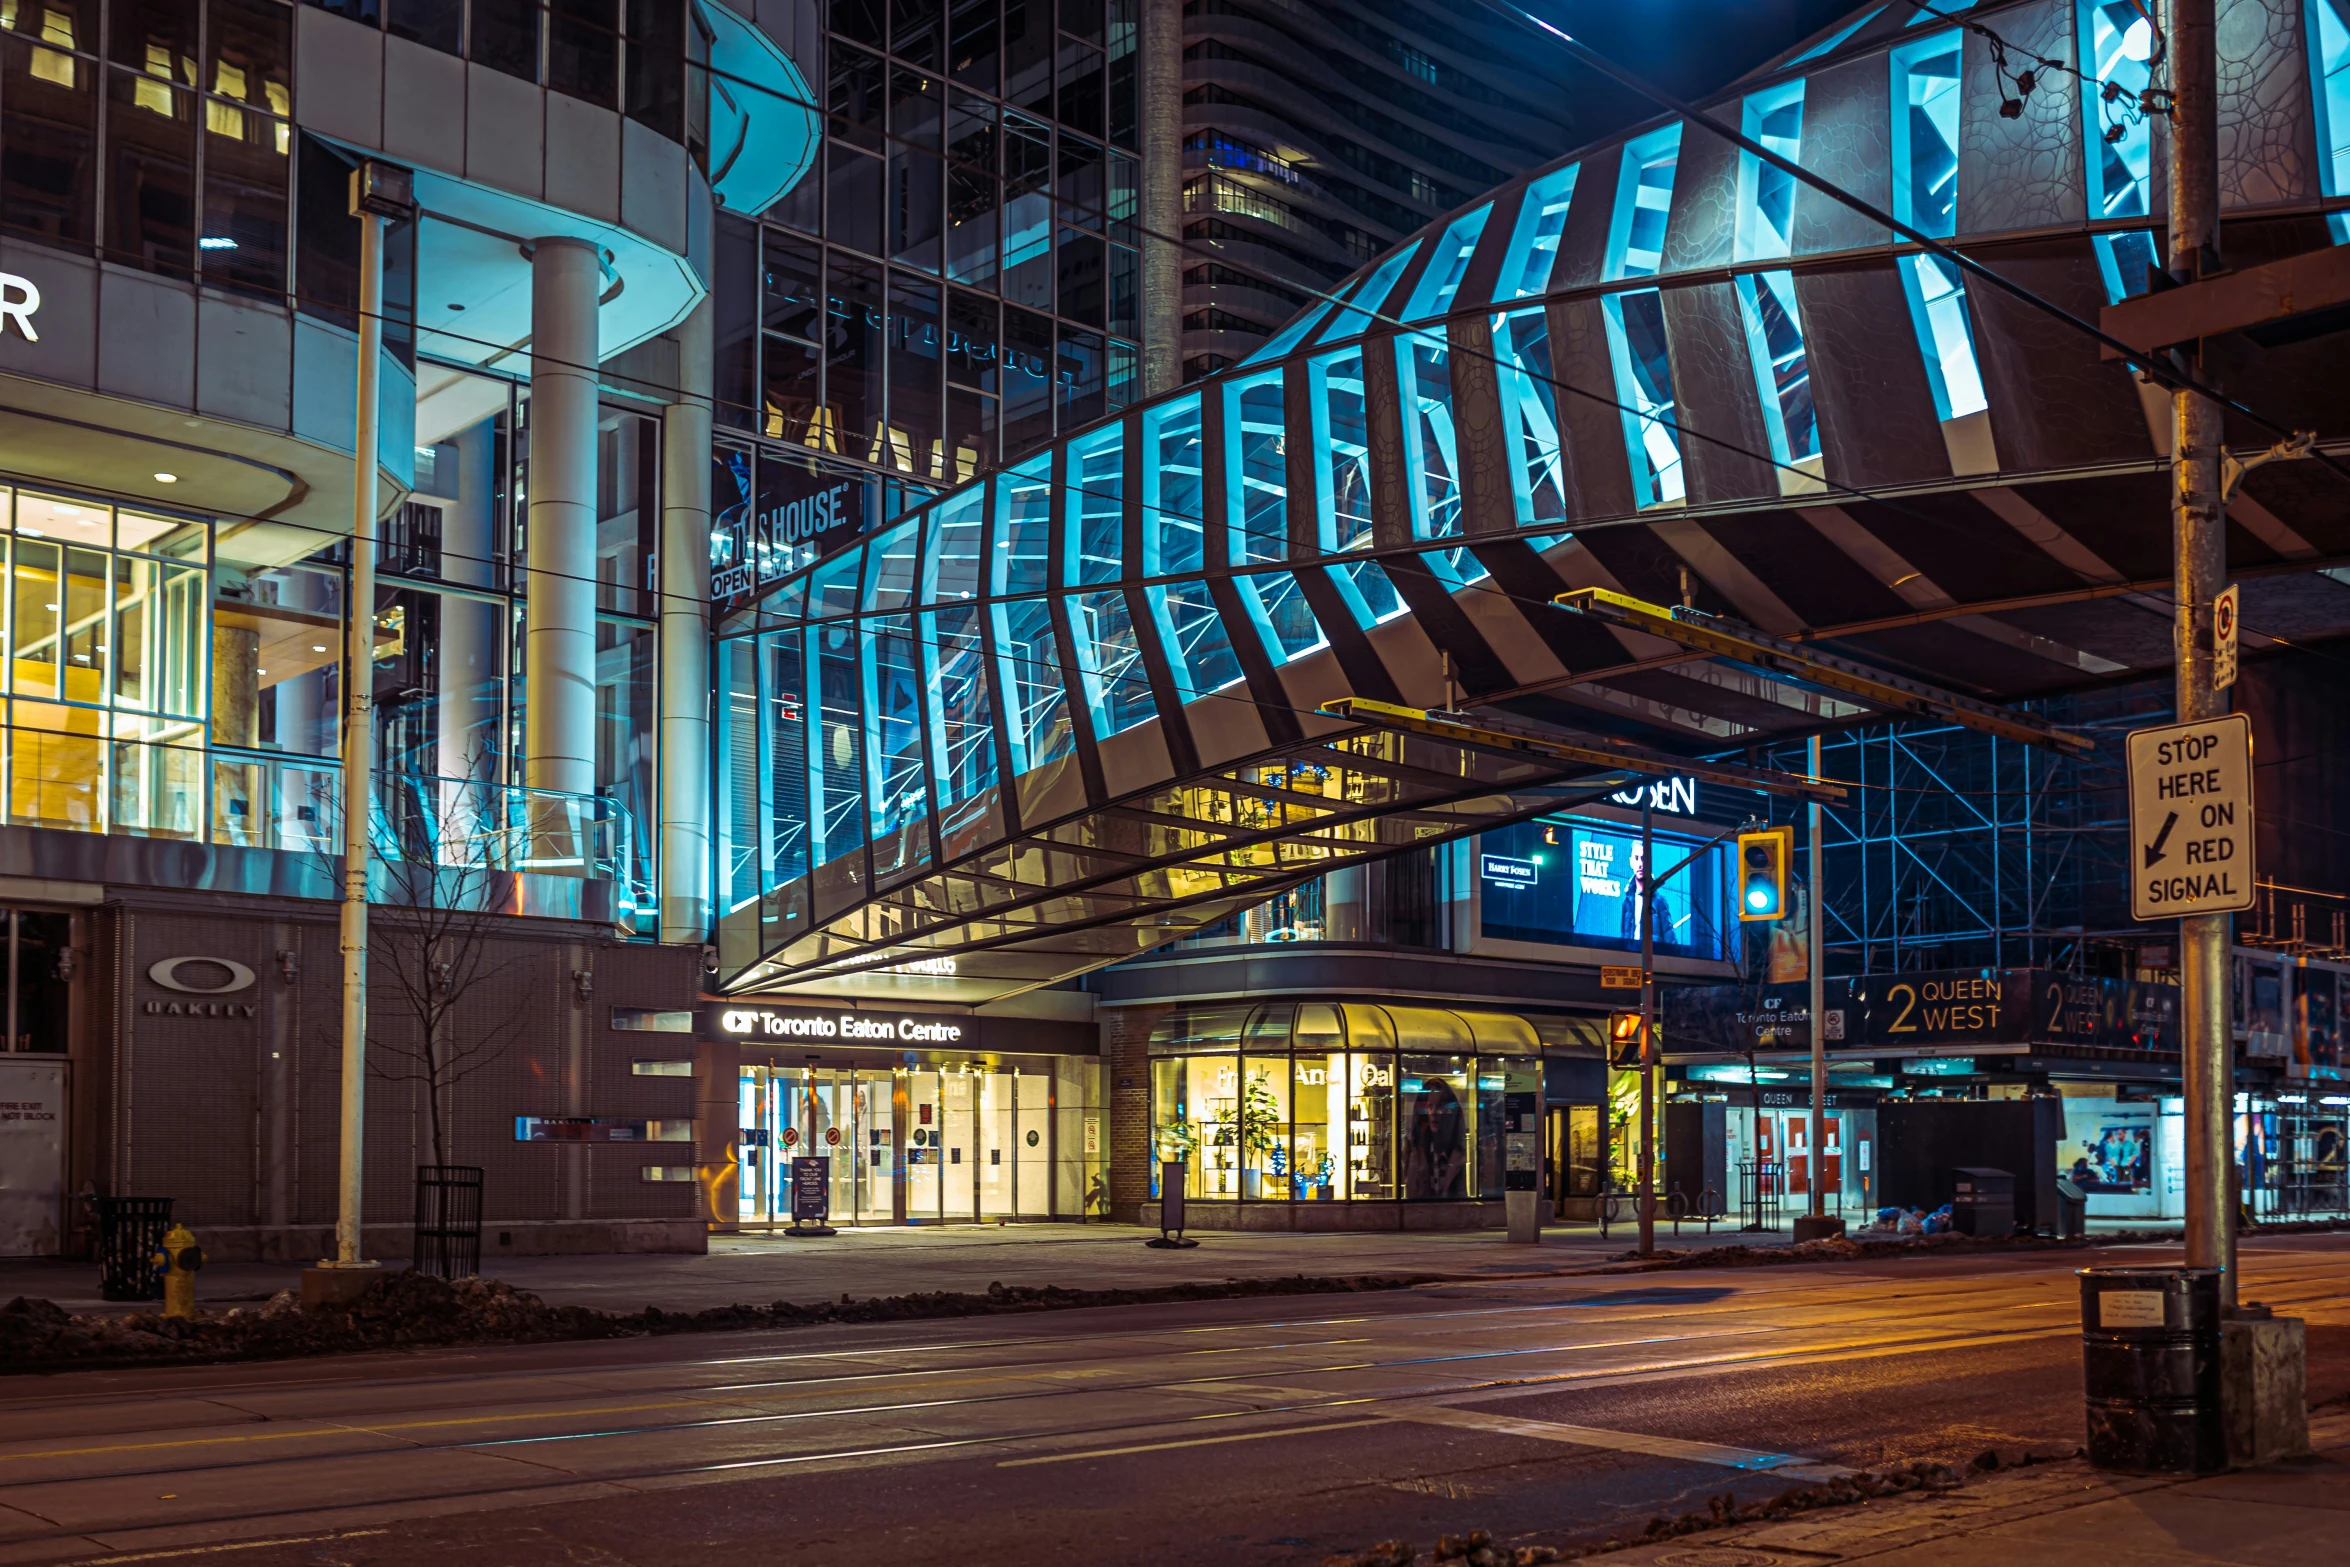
(1926, 1012)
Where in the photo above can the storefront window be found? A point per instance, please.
(1326, 1102)
(106, 657)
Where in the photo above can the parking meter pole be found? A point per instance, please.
(1645, 886)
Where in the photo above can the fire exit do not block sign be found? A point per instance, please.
(2191, 818)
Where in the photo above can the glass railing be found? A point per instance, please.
(433, 836)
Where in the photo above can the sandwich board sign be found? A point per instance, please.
(2191, 818)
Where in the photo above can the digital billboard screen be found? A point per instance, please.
(1572, 882)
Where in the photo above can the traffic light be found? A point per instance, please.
(1623, 1039)
(1763, 858)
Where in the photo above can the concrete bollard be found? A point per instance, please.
(2264, 1386)
(1524, 1209)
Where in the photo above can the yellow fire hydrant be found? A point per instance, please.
(179, 1259)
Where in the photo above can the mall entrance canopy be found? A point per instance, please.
(1068, 712)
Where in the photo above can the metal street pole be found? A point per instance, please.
(1645, 885)
(2199, 537)
(359, 730)
(1812, 918)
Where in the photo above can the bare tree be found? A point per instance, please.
(444, 1007)
(435, 954)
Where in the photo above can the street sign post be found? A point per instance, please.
(2191, 818)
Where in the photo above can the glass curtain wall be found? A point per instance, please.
(957, 278)
(1335, 1101)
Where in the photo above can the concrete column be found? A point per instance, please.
(559, 651)
(685, 641)
(1162, 195)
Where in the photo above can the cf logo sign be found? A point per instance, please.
(167, 974)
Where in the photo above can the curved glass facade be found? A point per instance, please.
(1068, 711)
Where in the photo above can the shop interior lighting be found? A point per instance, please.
(1741, 643)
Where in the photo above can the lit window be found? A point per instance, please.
(1342, 425)
(1644, 384)
(1937, 304)
(1782, 370)
(1925, 196)
(1925, 135)
(1363, 303)
(2118, 40)
(1285, 624)
(1095, 524)
(1529, 403)
(1644, 199)
(1257, 468)
(1636, 320)
(1766, 301)
(1447, 266)
(1766, 192)
(2330, 62)
(1534, 247)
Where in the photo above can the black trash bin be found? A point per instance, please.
(2150, 1366)
(1983, 1201)
(2072, 1203)
(130, 1233)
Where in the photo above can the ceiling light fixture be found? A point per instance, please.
(167, 478)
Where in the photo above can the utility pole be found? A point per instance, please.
(378, 191)
(1645, 885)
(2199, 540)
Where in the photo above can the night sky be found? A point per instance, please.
(1688, 47)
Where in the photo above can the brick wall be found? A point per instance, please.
(1126, 1033)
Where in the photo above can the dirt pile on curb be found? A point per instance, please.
(1477, 1548)
(413, 1310)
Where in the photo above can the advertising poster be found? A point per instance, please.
(1574, 883)
(2109, 1152)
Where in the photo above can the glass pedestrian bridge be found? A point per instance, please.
(1068, 711)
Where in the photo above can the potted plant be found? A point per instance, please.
(1260, 1134)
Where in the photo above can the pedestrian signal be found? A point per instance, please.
(1763, 858)
(1623, 1039)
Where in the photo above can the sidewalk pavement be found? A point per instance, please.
(757, 1269)
(2062, 1515)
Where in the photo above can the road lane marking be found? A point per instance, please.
(236, 1545)
(1196, 1441)
(349, 1429)
(1714, 1453)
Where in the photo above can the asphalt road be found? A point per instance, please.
(1555, 1410)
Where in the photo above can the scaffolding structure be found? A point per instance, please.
(1957, 849)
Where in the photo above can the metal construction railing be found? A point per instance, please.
(452, 828)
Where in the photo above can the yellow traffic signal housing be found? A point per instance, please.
(1623, 1039)
(1763, 860)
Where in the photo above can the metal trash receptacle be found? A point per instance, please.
(2072, 1211)
(2150, 1365)
(1983, 1202)
(130, 1233)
